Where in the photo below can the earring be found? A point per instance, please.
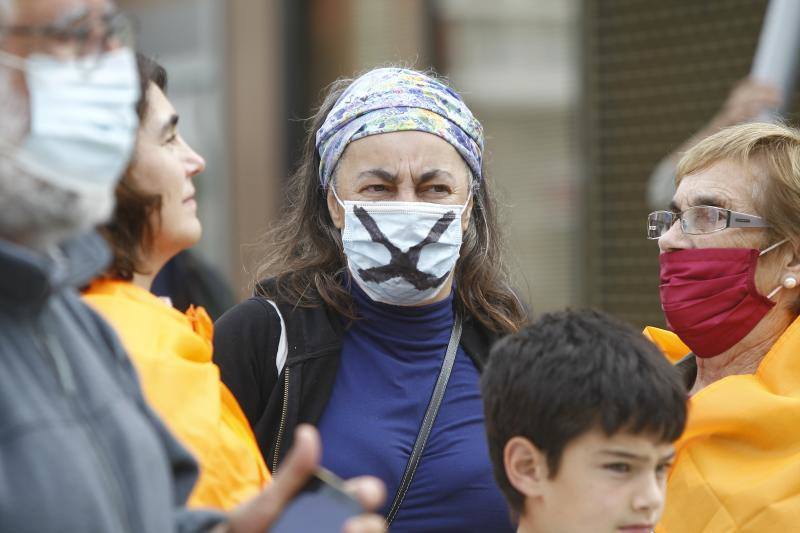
(790, 282)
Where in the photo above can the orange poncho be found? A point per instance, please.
(738, 462)
(172, 354)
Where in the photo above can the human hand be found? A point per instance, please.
(748, 99)
(260, 513)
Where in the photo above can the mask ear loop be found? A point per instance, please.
(770, 248)
(470, 196)
(789, 282)
(338, 200)
(486, 232)
(777, 289)
(476, 206)
(12, 61)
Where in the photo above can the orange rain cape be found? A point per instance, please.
(172, 354)
(738, 462)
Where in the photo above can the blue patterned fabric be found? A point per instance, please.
(386, 100)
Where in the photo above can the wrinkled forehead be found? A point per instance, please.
(402, 155)
(45, 12)
(728, 184)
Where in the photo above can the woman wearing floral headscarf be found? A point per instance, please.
(385, 289)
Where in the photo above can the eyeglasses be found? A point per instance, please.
(82, 39)
(699, 220)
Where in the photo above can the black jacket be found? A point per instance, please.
(245, 346)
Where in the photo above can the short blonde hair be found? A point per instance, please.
(775, 148)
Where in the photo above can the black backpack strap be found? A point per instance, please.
(428, 419)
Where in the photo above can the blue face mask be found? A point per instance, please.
(83, 119)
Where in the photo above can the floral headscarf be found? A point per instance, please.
(386, 100)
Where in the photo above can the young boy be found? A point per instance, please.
(581, 413)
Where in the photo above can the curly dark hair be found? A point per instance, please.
(304, 260)
(130, 230)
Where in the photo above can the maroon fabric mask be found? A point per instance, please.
(709, 296)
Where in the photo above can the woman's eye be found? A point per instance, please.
(439, 189)
(171, 139)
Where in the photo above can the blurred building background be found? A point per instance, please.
(579, 100)
(654, 73)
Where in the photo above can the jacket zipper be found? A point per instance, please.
(282, 426)
(66, 379)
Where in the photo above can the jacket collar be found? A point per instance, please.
(315, 331)
(29, 277)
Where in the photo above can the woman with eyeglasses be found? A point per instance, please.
(730, 265)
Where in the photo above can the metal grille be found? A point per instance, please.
(654, 72)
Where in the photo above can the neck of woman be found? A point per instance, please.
(151, 264)
(145, 281)
(746, 355)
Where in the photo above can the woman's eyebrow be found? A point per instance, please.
(711, 200)
(170, 124)
(434, 173)
(377, 173)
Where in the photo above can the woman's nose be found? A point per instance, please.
(195, 164)
(407, 194)
(673, 239)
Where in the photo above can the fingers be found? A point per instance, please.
(365, 524)
(748, 99)
(750, 89)
(369, 491)
(300, 463)
(262, 511)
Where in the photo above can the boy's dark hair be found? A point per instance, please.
(130, 228)
(569, 373)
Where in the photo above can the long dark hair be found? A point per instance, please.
(305, 265)
(130, 230)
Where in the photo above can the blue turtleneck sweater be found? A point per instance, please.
(389, 364)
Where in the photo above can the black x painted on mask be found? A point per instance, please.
(403, 265)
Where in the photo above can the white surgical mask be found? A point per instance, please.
(401, 253)
(82, 119)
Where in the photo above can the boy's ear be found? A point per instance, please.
(526, 466)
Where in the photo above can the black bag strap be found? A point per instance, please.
(428, 419)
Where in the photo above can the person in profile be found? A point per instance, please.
(81, 450)
(155, 217)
